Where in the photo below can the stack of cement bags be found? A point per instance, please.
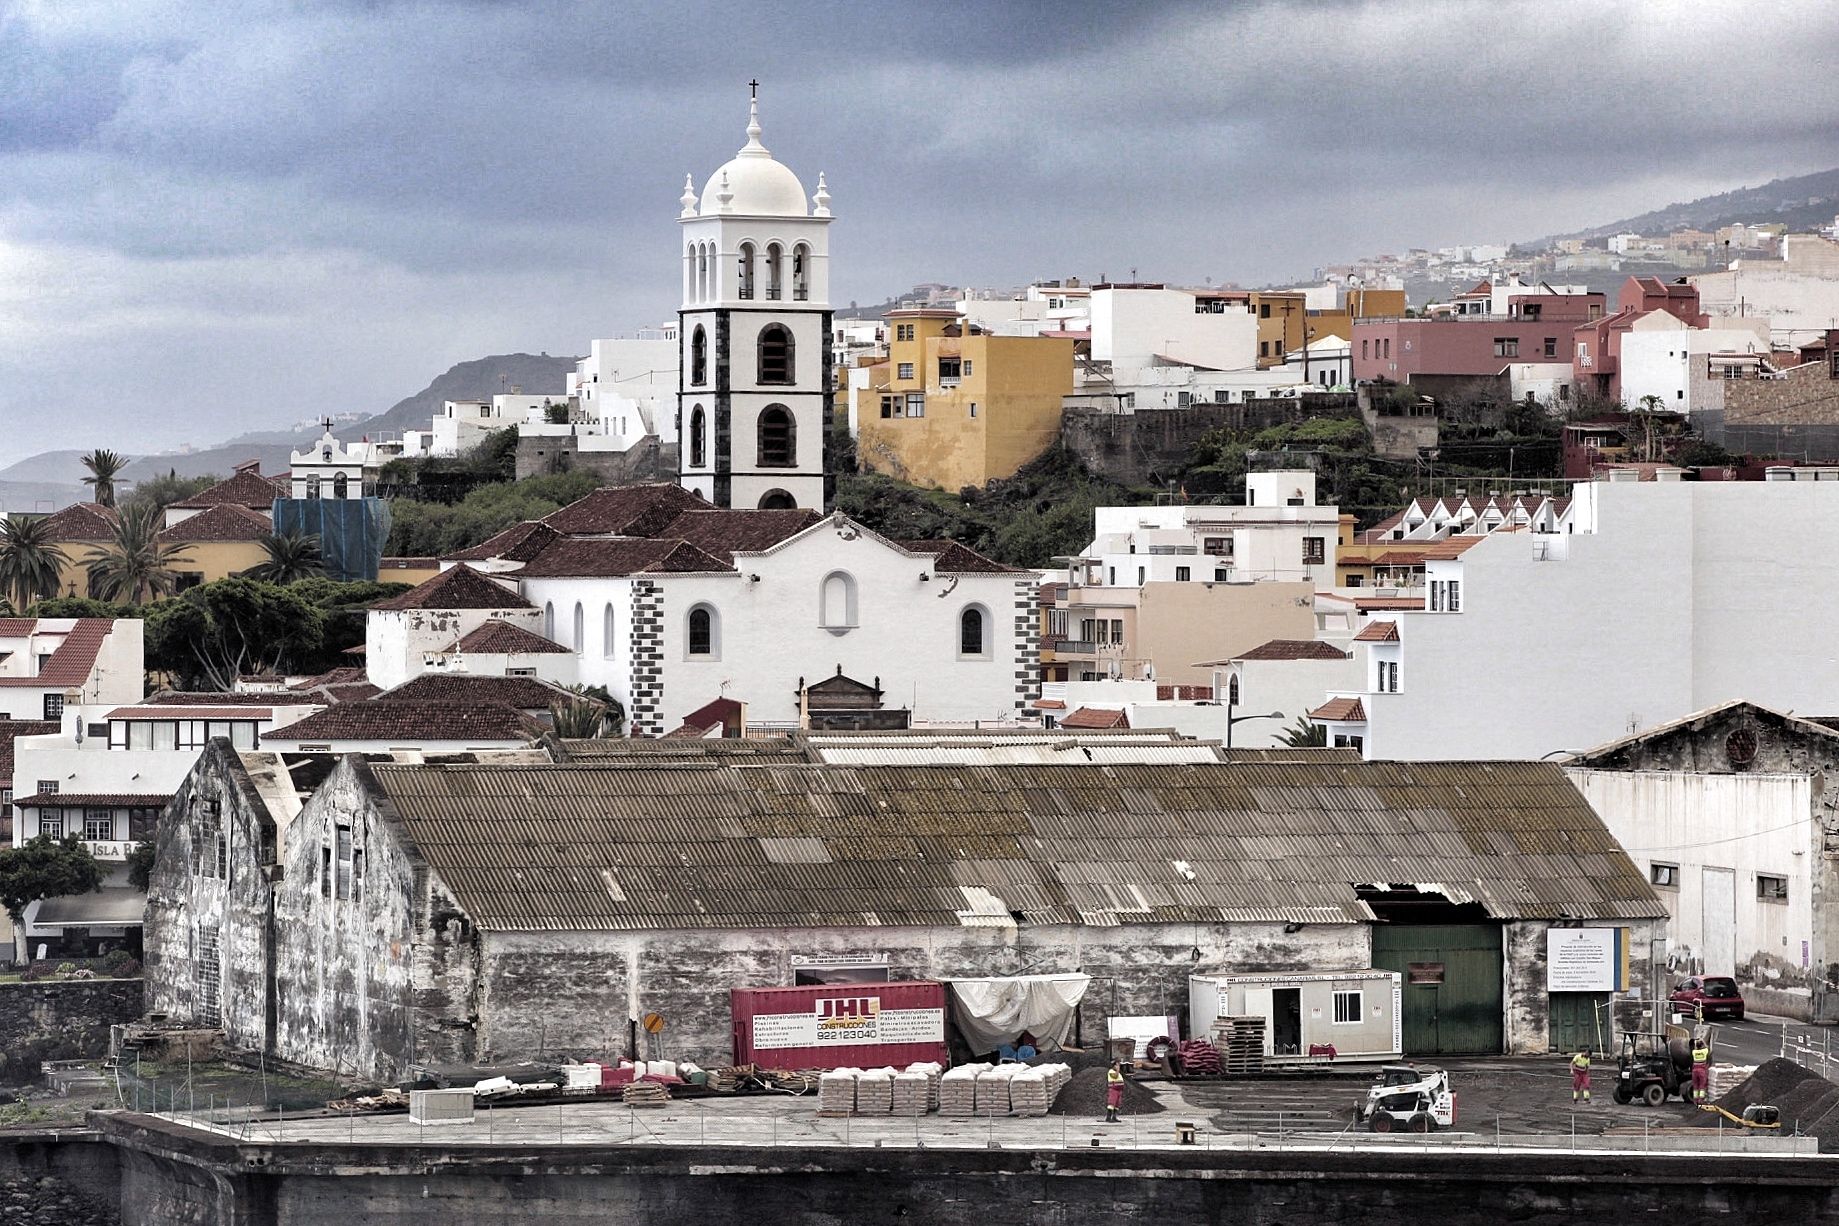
(932, 1071)
(993, 1089)
(875, 1091)
(1033, 1090)
(911, 1094)
(958, 1089)
(836, 1092)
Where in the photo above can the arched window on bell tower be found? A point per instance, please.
(698, 438)
(699, 357)
(776, 355)
(801, 272)
(778, 436)
(746, 290)
(775, 267)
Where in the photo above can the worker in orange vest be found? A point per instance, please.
(1580, 1077)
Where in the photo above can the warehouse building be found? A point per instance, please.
(392, 916)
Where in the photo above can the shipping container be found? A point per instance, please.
(840, 1025)
(1356, 1013)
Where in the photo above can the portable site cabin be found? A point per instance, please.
(1357, 1013)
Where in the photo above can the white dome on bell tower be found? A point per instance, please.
(752, 183)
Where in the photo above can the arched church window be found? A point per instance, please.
(698, 444)
(606, 632)
(778, 437)
(699, 357)
(341, 485)
(775, 258)
(1232, 690)
(776, 357)
(973, 634)
(778, 500)
(705, 631)
(746, 271)
(549, 620)
(580, 629)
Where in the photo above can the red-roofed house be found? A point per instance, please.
(47, 662)
(421, 629)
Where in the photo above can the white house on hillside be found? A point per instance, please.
(1663, 598)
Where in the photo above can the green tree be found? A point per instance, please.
(216, 632)
(590, 714)
(134, 565)
(82, 606)
(292, 557)
(1305, 734)
(162, 491)
(140, 866)
(104, 467)
(29, 560)
(45, 867)
(344, 609)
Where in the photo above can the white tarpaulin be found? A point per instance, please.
(992, 1012)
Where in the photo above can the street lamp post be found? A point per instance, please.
(1232, 719)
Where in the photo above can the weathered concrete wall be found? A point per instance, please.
(175, 1180)
(61, 1021)
(551, 994)
(1152, 446)
(1528, 1020)
(650, 460)
(58, 1179)
(210, 915)
(345, 929)
(1399, 438)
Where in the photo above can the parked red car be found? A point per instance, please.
(1711, 995)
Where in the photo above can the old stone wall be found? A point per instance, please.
(65, 1020)
(55, 1179)
(1155, 445)
(210, 907)
(344, 934)
(1528, 1021)
(648, 460)
(1399, 438)
(553, 994)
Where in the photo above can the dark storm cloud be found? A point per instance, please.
(379, 189)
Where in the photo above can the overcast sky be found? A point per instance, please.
(218, 217)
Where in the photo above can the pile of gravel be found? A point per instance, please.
(1085, 1095)
(1808, 1102)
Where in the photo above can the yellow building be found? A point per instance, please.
(951, 410)
(1281, 316)
(1359, 304)
(79, 532)
(226, 540)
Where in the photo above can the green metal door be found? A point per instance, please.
(1581, 1020)
(1451, 977)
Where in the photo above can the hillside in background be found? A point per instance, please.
(1801, 203)
(54, 479)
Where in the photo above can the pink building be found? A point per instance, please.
(1596, 353)
(1537, 329)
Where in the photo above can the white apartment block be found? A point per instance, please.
(1281, 533)
(1657, 599)
(1661, 354)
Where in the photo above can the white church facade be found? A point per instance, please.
(754, 405)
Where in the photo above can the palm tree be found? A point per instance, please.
(28, 561)
(1305, 733)
(135, 565)
(589, 713)
(291, 557)
(104, 467)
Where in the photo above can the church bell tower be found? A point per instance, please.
(754, 399)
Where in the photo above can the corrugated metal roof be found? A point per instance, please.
(652, 843)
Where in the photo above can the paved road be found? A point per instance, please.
(1758, 1038)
